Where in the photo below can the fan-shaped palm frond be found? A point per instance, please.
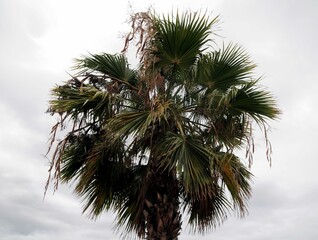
(189, 156)
(113, 66)
(206, 211)
(256, 102)
(236, 178)
(85, 100)
(181, 38)
(225, 68)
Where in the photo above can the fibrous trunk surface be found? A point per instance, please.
(162, 215)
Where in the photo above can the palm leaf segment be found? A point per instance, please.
(181, 39)
(182, 115)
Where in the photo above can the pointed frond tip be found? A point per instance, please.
(256, 101)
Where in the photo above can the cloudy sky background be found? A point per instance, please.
(39, 39)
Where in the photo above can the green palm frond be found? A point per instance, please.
(130, 209)
(138, 122)
(181, 38)
(103, 176)
(86, 100)
(230, 131)
(103, 190)
(226, 68)
(206, 211)
(237, 179)
(75, 156)
(190, 157)
(132, 122)
(113, 66)
(259, 104)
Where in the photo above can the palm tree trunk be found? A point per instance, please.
(162, 215)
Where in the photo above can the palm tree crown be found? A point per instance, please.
(153, 142)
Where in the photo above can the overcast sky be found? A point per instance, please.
(39, 39)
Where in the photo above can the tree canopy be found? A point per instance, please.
(163, 139)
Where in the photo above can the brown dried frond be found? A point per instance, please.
(56, 160)
(55, 163)
(141, 29)
(269, 150)
(250, 146)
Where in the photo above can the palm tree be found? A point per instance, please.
(164, 139)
